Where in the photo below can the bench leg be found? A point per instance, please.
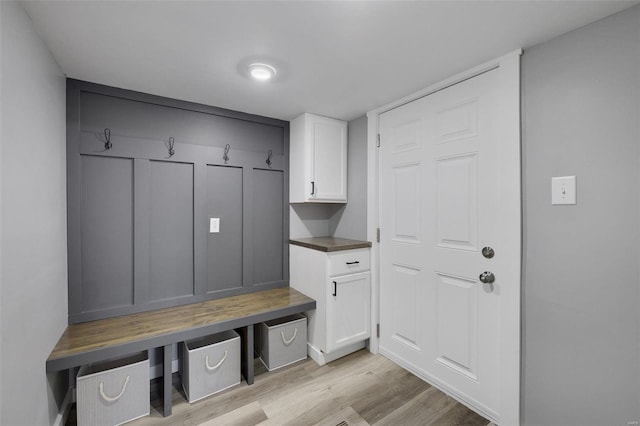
(247, 353)
(167, 388)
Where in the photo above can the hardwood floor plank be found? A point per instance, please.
(361, 389)
(309, 412)
(348, 415)
(424, 409)
(459, 415)
(247, 415)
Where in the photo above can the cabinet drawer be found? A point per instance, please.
(348, 262)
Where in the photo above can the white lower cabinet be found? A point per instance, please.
(340, 282)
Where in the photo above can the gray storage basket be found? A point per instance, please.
(210, 364)
(283, 341)
(113, 392)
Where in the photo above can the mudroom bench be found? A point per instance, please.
(100, 340)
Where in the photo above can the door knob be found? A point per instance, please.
(487, 277)
(488, 252)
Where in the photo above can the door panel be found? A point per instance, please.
(406, 306)
(457, 202)
(406, 206)
(439, 201)
(456, 322)
(457, 122)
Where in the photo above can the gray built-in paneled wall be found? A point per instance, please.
(138, 217)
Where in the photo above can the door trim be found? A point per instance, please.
(511, 218)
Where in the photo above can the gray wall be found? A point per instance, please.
(581, 115)
(340, 220)
(33, 261)
(351, 220)
(138, 219)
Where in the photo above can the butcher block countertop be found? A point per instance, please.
(328, 244)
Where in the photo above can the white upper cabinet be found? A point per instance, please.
(318, 160)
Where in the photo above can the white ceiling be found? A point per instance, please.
(338, 58)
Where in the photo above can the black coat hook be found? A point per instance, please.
(227, 147)
(269, 158)
(107, 139)
(169, 146)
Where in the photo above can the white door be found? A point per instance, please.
(348, 307)
(439, 206)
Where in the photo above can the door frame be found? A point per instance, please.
(511, 218)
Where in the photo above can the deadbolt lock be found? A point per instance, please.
(488, 252)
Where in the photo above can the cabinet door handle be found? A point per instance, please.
(313, 187)
(353, 263)
(335, 288)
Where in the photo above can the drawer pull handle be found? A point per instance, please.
(353, 263)
(284, 339)
(214, 367)
(115, 398)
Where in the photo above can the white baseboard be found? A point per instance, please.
(322, 358)
(65, 408)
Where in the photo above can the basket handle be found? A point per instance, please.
(211, 368)
(117, 397)
(288, 341)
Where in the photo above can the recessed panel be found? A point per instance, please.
(457, 122)
(457, 323)
(268, 216)
(406, 206)
(171, 230)
(406, 136)
(224, 248)
(457, 202)
(406, 306)
(107, 232)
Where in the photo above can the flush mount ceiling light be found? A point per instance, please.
(261, 72)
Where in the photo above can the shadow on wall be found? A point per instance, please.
(315, 220)
(57, 385)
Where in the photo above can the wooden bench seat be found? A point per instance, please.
(103, 339)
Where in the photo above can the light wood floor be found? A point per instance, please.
(359, 389)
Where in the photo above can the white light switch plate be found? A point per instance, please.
(214, 225)
(563, 190)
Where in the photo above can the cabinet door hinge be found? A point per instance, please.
(378, 330)
(378, 143)
(378, 235)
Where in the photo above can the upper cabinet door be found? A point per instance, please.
(318, 160)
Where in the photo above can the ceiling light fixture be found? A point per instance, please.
(261, 72)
